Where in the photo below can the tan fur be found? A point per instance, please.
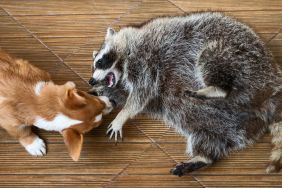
(73, 141)
(19, 104)
(276, 153)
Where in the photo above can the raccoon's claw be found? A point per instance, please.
(114, 131)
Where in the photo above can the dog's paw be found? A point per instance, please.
(115, 129)
(36, 148)
(109, 105)
(185, 168)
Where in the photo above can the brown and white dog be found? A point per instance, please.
(29, 97)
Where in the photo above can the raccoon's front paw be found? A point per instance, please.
(36, 148)
(114, 129)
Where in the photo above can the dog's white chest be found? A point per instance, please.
(59, 123)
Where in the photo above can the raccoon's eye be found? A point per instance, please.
(106, 61)
(99, 62)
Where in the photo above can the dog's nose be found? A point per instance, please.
(109, 106)
(92, 81)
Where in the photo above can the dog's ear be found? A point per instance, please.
(110, 32)
(73, 141)
(69, 85)
(72, 99)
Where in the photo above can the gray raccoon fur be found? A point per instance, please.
(158, 64)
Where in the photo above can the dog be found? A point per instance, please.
(208, 76)
(29, 97)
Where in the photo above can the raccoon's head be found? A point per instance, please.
(107, 65)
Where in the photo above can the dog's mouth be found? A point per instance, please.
(110, 79)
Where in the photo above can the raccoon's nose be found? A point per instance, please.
(92, 81)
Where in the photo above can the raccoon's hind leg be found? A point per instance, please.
(276, 153)
(205, 147)
(193, 164)
(209, 92)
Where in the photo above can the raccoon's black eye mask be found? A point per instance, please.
(106, 61)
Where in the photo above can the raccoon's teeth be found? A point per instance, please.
(111, 80)
(111, 83)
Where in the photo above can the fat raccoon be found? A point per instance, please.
(206, 75)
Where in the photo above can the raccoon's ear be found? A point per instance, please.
(94, 53)
(110, 32)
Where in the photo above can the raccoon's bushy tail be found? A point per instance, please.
(276, 153)
(276, 132)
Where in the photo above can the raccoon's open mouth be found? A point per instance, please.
(110, 79)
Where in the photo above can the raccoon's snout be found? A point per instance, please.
(92, 81)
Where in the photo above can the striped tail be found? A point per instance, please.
(276, 132)
(276, 153)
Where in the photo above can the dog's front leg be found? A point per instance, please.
(134, 104)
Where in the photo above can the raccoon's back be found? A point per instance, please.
(217, 42)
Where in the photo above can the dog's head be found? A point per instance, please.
(71, 112)
(89, 110)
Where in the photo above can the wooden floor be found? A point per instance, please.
(59, 36)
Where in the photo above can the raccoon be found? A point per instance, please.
(206, 75)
